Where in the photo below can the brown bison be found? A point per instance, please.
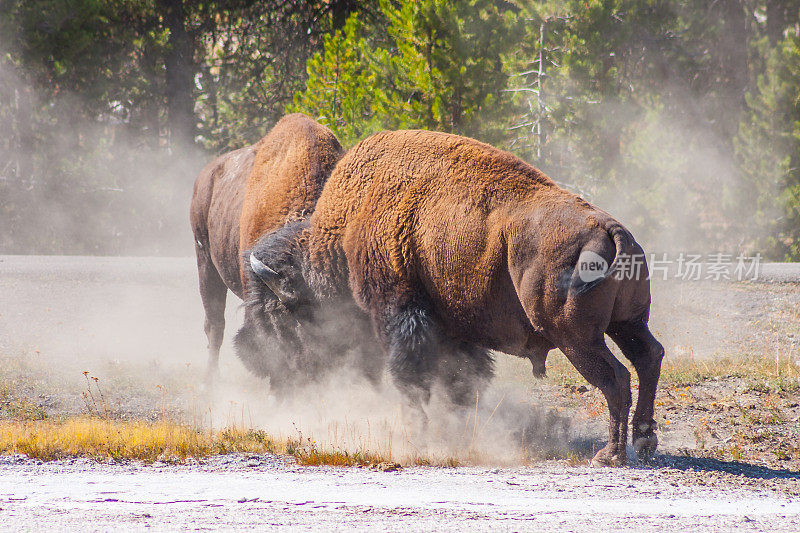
(453, 248)
(242, 195)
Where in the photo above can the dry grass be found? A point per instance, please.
(308, 452)
(317, 457)
(118, 440)
(311, 453)
(100, 434)
(780, 371)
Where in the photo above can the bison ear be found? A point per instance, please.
(267, 275)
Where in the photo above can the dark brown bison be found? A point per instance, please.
(242, 195)
(453, 248)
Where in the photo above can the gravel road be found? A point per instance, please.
(265, 492)
(80, 313)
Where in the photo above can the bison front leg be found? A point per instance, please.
(598, 365)
(464, 371)
(411, 338)
(349, 331)
(367, 354)
(646, 353)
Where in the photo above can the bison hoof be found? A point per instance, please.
(609, 457)
(645, 440)
(210, 379)
(645, 446)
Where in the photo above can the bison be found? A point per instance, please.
(453, 248)
(244, 194)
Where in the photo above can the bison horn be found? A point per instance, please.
(268, 276)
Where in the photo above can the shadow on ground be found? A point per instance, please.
(707, 464)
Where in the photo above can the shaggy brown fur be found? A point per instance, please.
(454, 247)
(246, 193)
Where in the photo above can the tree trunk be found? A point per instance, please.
(733, 61)
(25, 145)
(340, 10)
(180, 68)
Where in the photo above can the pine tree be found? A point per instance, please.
(438, 66)
(343, 84)
(768, 145)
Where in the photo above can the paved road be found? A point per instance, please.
(82, 309)
(780, 272)
(87, 308)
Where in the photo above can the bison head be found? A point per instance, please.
(290, 332)
(279, 308)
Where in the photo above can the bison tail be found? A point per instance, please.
(592, 269)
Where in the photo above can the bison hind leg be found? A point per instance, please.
(597, 364)
(412, 338)
(213, 292)
(645, 352)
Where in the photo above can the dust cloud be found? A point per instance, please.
(87, 186)
(674, 181)
(345, 413)
(136, 323)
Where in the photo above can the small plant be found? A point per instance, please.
(96, 405)
(782, 455)
(700, 433)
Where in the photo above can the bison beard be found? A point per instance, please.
(273, 339)
(452, 248)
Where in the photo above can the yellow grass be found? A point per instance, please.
(118, 440)
(768, 371)
(316, 457)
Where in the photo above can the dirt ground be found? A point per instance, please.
(266, 492)
(728, 409)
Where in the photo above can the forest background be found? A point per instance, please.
(682, 119)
